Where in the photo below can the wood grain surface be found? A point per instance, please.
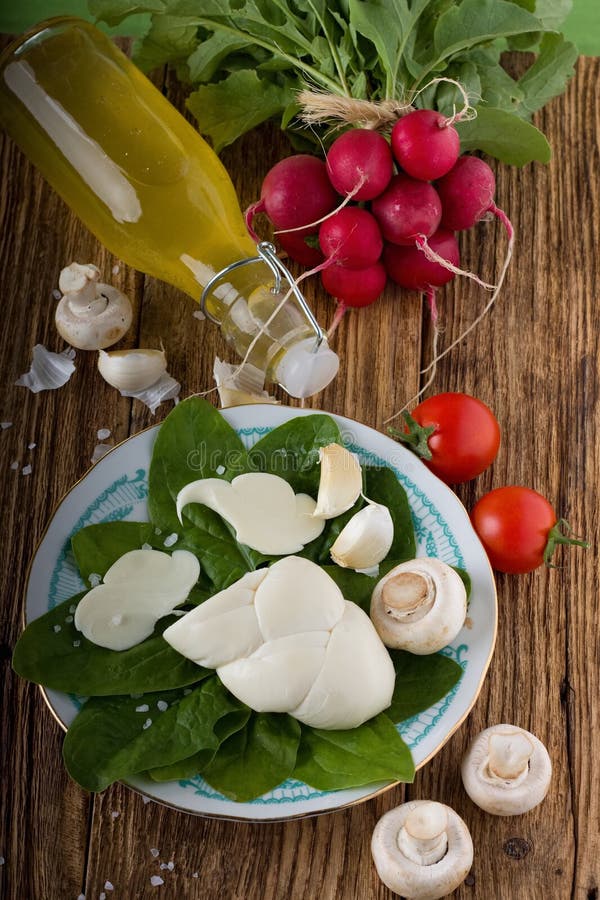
(534, 360)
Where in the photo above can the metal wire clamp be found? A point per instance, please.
(266, 254)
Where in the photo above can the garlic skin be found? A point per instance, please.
(237, 388)
(132, 370)
(90, 315)
(365, 540)
(49, 370)
(340, 484)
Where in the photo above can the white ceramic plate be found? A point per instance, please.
(117, 487)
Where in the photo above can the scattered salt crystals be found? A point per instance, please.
(69, 619)
(116, 620)
(156, 880)
(136, 696)
(194, 874)
(49, 370)
(108, 886)
(166, 388)
(72, 608)
(56, 628)
(2, 861)
(102, 896)
(162, 705)
(187, 691)
(103, 433)
(178, 612)
(155, 852)
(94, 579)
(14, 465)
(114, 814)
(56, 294)
(146, 546)
(5, 425)
(143, 708)
(147, 724)
(169, 866)
(158, 531)
(115, 270)
(31, 446)
(100, 450)
(26, 470)
(220, 470)
(81, 897)
(170, 540)
(77, 643)
(146, 800)
(198, 314)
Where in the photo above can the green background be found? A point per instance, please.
(582, 25)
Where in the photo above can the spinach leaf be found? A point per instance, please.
(355, 586)
(98, 547)
(465, 578)
(114, 737)
(331, 760)
(222, 559)
(66, 661)
(292, 451)
(255, 759)
(420, 682)
(193, 442)
(382, 486)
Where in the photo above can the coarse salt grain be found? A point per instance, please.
(114, 814)
(72, 608)
(157, 531)
(146, 800)
(103, 433)
(94, 579)
(162, 705)
(56, 294)
(170, 540)
(115, 270)
(143, 708)
(146, 546)
(108, 886)
(179, 612)
(81, 897)
(14, 465)
(69, 619)
(194, 874)
(155, 852)
(187, 691)
(147, 724)
(102, 896)
(56, 629)
(198, 314)
(169, 866)
(32, 445)
(220, 470)
(26, 470)
(2, 861)
(156, 880)
(5, 425)
(100, 450)
(77, 643)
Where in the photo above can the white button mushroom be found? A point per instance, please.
(262, 508)
(506, 770)
(419, 606)
(90, 315)
(138, 589)
(365, 540)
(284, 639)
(340, 482)
(422, 850)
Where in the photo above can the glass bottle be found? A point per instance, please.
(153, 192)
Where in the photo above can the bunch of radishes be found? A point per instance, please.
(390, 219)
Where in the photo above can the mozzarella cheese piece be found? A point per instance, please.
(263, 509)
(284, 639)
(139, 588)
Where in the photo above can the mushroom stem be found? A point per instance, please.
(408, 596)
(509, 755)
(423, 838)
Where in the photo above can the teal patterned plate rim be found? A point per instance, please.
(117, 488)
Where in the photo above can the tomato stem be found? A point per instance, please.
(416, 437)
(560, 534)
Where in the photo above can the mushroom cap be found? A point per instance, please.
(507, 796)
(410, 879)
(93, 323)
(434, 621)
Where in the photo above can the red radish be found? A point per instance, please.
(354, 287)
(411, 269)
(424, 145)
(352, 237)
(296, 247)
(467, 193)
(360, 163)
(407, 209)
(295, 192)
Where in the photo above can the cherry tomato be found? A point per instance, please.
(456, 435)
(519, 529)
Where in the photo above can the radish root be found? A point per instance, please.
(344, 203)
(432, 256)
(339, 315)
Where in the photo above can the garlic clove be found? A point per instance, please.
(340, 483)
(132, 370)
(365, 540)
(90, 315)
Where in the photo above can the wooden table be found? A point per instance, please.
(534, 360)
